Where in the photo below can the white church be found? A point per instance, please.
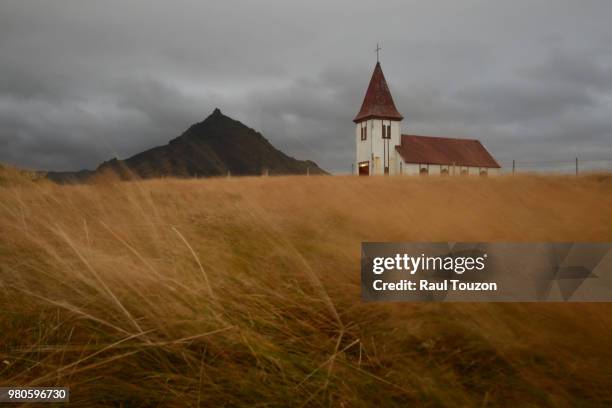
(382, 149)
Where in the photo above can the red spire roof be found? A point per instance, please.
(378, 102)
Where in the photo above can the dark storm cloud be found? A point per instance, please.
(81, 82)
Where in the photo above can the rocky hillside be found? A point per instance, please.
(210, 148)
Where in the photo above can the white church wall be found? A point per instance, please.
(410, 169)
(396, 133)
(377, 146)
(399, 162)
(394, 158)
(361, 151)
(377, 166)
(372, 149)
(414, 169)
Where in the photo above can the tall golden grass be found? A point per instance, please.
(245, 291)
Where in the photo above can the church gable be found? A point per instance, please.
(445, 151)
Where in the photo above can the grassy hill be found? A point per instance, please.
(13, 176)
(245, 291)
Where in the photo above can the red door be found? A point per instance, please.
(364, 168)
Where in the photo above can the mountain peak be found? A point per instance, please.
(215, 116)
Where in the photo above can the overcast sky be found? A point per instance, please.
(84, 81)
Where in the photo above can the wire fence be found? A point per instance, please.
(576, 166)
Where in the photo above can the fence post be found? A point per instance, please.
(576, 166)
(229, 174)
(308, 171)
(513, 167)
(352, 169)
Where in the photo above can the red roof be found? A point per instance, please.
(445, 150)
(378, 102)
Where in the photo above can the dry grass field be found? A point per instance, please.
(245, 291)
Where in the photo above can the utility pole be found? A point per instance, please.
(576, 166)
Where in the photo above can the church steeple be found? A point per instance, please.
(378, 102)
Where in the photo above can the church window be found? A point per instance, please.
(364, 133)
(386, 131)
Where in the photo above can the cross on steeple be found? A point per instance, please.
(377, 49)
